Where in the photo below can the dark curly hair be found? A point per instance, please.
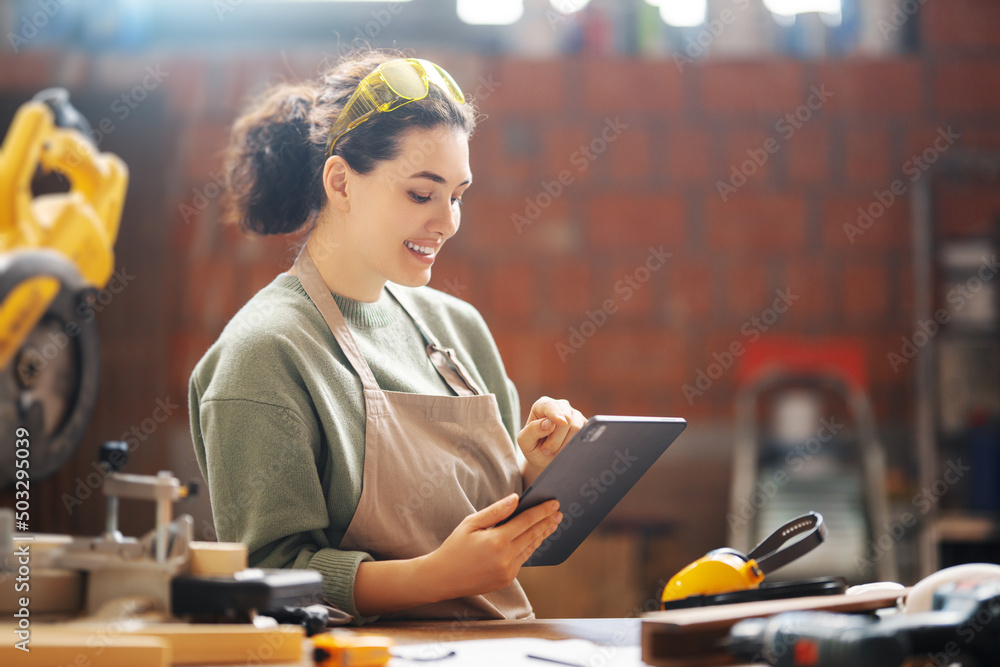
(277, 148)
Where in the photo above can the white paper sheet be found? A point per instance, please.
(516, 652)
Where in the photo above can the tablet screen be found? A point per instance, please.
(594, 471)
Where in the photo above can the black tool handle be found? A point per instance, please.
(769, 554)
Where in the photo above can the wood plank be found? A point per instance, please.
(48, 646)
(188, 644)
(694, 636)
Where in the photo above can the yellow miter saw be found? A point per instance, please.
(63, 592)
(56, 252)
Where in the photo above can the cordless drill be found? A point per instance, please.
(963, 627)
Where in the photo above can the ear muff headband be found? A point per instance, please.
(769, 554)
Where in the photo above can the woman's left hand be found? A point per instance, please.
(550, 425)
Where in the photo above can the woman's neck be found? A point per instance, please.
(340, 270)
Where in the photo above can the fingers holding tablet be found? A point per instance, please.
(535, 528)
(481, 555)
(550, 425)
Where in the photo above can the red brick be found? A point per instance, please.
(455, 276)
(629, 156)
(810, 279)
(866, 155)
(532, 359)
(747, 287)
(635, 357)
(205, 143)
(982, 139)
(845, 226)
(707, 410)
(773, 86)
(630, 285)
(485, 141)
(187, 347)
(491, 160)
(563, 148)
(513, 289)
(619, 85)
(889, 86)
(689, 155)
(920, 139)
(635, 220)
(865, 291)
(808, 155)
(747, 152)
(211, 293)
(526, 86)
(961, 24)
(257, 276)
(966, 209)
(689, 289)
(572, 291)
(639, 401)
(756, 223)
(970, 85)
(529, 221)
(711, 353)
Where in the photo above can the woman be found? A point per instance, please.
(349, 419)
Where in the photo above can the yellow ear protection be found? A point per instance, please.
(726, 570)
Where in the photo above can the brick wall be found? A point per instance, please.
(642, 148)
(542, 268)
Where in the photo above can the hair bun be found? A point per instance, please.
(272, 163)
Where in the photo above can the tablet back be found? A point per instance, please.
(594, 471)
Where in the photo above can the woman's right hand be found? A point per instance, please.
(480, 556)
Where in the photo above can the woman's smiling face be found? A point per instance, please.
(398, 216)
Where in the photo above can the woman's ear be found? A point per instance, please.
(336, 176)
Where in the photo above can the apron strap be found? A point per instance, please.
(448, 366)
(320, 294)
(444, 359)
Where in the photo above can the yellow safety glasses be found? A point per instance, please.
(391, 85)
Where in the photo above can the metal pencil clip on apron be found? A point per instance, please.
(429, 462)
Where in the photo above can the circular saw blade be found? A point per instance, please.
(50, 385)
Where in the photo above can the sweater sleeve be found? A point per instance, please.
(265, 491)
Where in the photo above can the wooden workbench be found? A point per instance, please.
(610, 632)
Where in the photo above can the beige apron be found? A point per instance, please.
(429, 462)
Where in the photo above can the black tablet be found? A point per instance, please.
(592, 472)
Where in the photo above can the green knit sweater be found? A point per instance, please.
(278, 416)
